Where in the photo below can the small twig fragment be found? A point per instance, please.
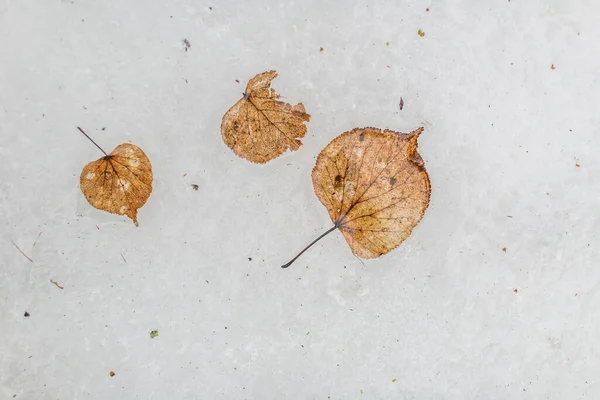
(25, 255)
(123, 257)
(56, 283)
(37, 238)
(358, 258)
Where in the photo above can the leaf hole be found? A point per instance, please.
(338, 181)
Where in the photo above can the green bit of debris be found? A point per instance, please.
(153, 334)
(387, 43)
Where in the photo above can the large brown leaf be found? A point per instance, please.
(120, 182)
(259, 127)
(374, 186)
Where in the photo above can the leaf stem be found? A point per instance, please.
(309, 246)
(91, 140)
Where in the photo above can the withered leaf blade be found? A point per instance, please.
(119, 183)
(374, 186)
(259, 127)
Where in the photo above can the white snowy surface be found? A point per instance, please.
(447, 315)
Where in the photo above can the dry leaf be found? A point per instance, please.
(22, 252)
(120, 182)
(259, 127)
(374, 186)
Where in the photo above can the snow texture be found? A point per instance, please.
(508, 93)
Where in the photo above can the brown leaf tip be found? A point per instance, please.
(262, 82)
(411, 145)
